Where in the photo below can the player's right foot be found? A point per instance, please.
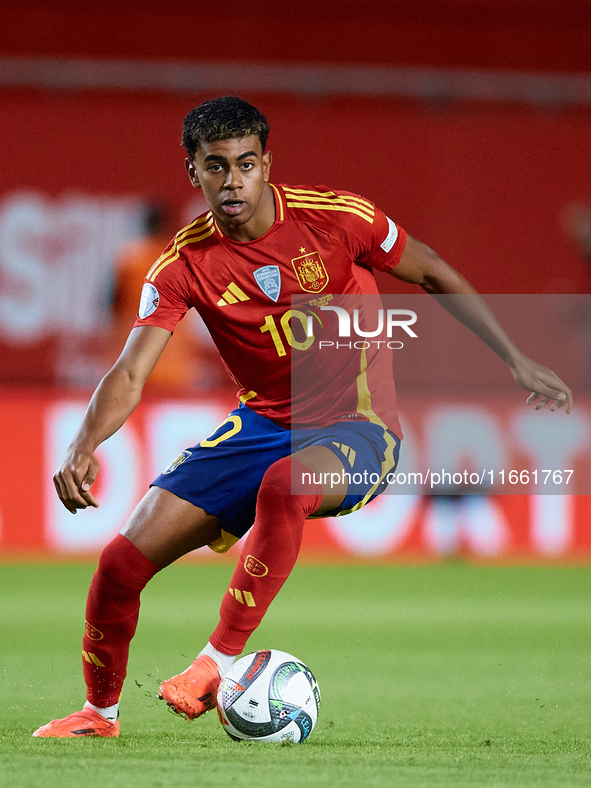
(82, 723)
(194, 691)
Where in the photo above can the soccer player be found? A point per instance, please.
(239, 265)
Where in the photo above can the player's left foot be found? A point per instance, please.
(193, 692)
(82, 723)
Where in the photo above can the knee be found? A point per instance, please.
(285, 485)
(276, 484)
(122, 563)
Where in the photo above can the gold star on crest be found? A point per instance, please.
(302, 250)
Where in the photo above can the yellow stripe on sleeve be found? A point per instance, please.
(168, 260)
(195, 226)
(309, 192)
(191, 232)
(342, 208)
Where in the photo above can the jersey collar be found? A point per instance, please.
(280, 210)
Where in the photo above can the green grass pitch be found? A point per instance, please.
(447, 675)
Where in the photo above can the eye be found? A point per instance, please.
(248, 165)
(215, 168)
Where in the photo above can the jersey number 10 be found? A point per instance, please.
(285, 322)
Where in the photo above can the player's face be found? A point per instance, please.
(234, 177)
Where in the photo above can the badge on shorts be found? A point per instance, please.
(184, 455)
(268, 278)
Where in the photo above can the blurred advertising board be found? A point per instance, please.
(468, 519)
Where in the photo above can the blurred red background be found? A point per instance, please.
(467, 121)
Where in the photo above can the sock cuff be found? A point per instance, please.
(124, 564)
(290, 477)
(230, 641)
(311, 489)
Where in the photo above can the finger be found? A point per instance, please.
(73, 490)
(87, 483)
(61, 494)
(559, 398)
(548, 393)
(532, 398)
(88, 496)
(568, 400)
(541, 403)
(559, 402)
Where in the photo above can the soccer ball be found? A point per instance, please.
(268, 696)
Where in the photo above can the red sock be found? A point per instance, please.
(268, 555)
(112, 611)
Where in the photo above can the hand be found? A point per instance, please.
(545, 385)
(75, 478)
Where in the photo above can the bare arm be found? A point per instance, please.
(422, 266)
(115, 398)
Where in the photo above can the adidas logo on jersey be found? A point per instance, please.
(232, 295)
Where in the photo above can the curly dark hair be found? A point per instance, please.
(221, 119)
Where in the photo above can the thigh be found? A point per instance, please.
(164, 527)
(222, 474)
(328, 470)
(367, 454)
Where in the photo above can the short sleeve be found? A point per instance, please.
(163, 300)
(373, 238)
(384, 243)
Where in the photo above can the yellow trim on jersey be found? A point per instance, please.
(365, 409)
(195, 232)
(304, 195)
(329, 201)
(363, 396)
(340, 200)
(279, 200)
(341, 208)
(195, 226)
(330, 195)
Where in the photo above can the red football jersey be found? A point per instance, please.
(261, 299)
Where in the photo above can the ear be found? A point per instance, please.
(267, 161)
(192, 173)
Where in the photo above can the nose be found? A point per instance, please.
(233, 179)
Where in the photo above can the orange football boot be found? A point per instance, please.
(192, 692)
(82, 723)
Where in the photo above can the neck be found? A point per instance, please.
(259, 223)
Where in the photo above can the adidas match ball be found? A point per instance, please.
(268, 696)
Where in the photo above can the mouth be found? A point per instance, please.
(232, 207)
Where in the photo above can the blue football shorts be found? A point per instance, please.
(222, 474)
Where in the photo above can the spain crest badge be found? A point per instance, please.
(311, 272)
